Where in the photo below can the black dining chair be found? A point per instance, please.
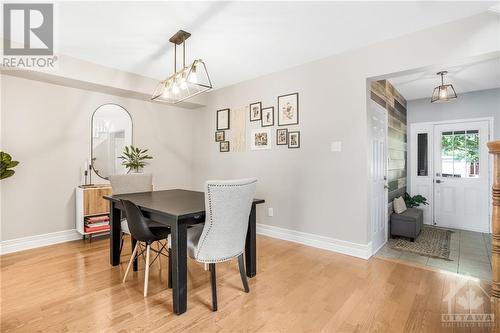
(130, 183)
(147, 231)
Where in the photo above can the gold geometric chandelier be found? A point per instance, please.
(186, 82)
(444, 92)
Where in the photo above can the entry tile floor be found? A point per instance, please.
(470, 254)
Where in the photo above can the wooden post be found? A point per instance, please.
(494, 147)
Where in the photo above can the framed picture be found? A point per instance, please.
(267, 116)
(220, 136)
(282, 137)
(222, 119)
(288, 109)
(260, 139)
(255, 111)
(294, 139)
(224, 146)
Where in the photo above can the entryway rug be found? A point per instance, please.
(432, 242)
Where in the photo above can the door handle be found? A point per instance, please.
(439, 181)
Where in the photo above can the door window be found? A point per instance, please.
(460, 154)
(422, 149)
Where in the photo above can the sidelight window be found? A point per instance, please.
(422, 155)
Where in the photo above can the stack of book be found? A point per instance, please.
(96, 223)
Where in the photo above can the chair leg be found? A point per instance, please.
(169, 269)
(121, 243)
(158, 247)
(132, 257)
(146, 274)
(243, 274)
(213, 281)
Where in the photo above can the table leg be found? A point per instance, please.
(251, 246)
(133, 242)
(114, 234)
(179, 267)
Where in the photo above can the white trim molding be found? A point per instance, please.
(363, 251)
(31, 242)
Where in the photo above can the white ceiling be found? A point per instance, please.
(465, 78)
(238, 40)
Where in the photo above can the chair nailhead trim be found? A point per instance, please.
(211, 221)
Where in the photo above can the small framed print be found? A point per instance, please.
(223, 119)
(220, 136)
(294, 139)
(260, 139)
(282, 137)
(224, 146)
(288, 109)
(267, 116)
(256, 111)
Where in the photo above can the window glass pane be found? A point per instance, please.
(472, 158)
(460, 154)
(447, 154)
(422, 154)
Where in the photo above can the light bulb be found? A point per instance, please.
(193, 77)
(175, 88)
(443, 93)
(182, 79)
(165, 93)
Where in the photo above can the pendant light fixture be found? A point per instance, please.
(186, 82)
(444, 92)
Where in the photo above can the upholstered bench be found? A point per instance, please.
(408, 223)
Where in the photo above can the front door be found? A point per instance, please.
(461, 177)
(378, 172)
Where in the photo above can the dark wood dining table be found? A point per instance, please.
(177, 209)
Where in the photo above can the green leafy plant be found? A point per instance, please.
(414, 201)
(6, 165)
(134, 158)
(462, 147)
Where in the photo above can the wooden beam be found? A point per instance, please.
(494, 147)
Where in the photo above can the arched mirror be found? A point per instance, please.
(111, 132)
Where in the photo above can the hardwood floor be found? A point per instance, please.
(71, 287)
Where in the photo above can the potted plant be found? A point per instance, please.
(6, 165)
(134, 158)
(414, 201)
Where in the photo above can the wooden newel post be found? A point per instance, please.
(494, 147)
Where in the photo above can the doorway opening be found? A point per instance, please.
(446, 163)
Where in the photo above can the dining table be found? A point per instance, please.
(178, 209)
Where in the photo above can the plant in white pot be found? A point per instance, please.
(134, 159)
(6, 165)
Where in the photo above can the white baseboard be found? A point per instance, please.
(31, 242)
(379, 247)
(363, 251)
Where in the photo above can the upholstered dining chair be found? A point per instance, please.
(222, 237)
(143, 230)
(130, 183)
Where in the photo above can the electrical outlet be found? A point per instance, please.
(270, 212)
(336, 146)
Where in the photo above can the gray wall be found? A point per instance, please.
(312, 189)
(476, 104)
(47, 128)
